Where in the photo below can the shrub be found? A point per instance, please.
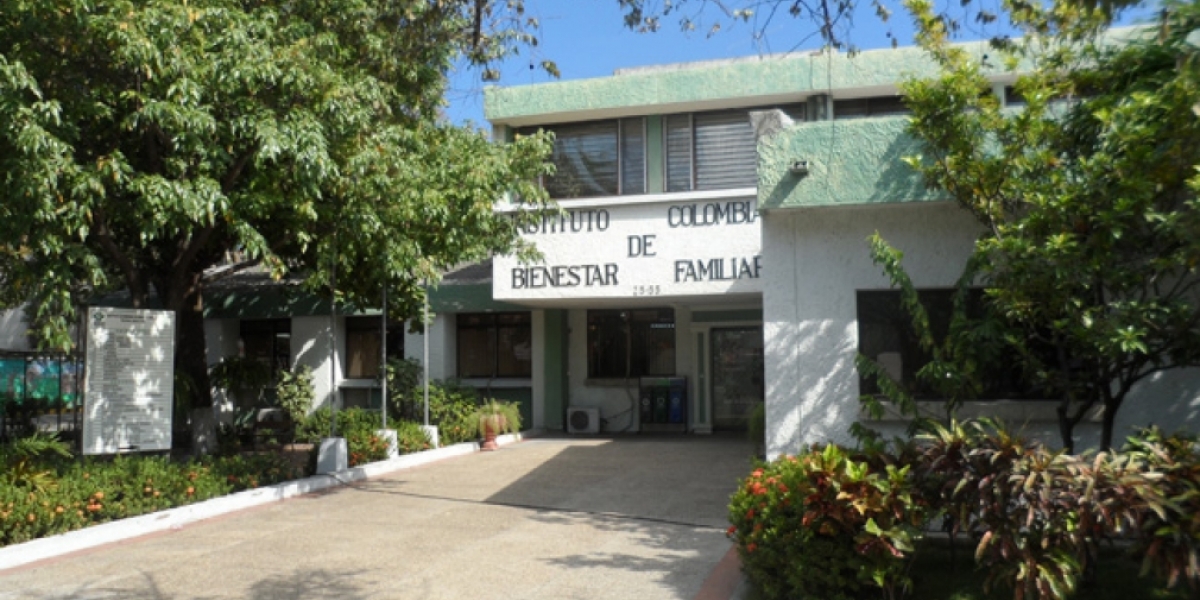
(73, 493)
(1039, 515)
(826, 524)
(357, 425)
(294, 392)
(497, 417)
(409, 437)
(1168, 529)
(450, 404)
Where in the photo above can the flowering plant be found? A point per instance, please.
(825, 524)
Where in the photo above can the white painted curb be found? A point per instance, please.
(17, 555)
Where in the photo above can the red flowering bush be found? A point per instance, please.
(71, 493)
(826, 524)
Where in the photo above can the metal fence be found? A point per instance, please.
(41, 392)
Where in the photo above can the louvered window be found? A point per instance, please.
(678, 131)
(633, 156)
(725, 152)
(600, 158)
(714, 150)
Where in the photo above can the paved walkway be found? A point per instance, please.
(631, 518)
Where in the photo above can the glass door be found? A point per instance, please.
(737, 375)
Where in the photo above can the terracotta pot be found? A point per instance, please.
(492, 425)
(489, 440)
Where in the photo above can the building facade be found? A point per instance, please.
(714, 229)
(710, 256)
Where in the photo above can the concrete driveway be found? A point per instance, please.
(547, 518)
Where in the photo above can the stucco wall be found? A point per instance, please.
(442, 346)
(858, 161)
(819, 258)
(310, 347)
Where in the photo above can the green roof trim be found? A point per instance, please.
(473, 297)
(663, 89)
(266, 302)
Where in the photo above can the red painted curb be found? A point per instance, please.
(723, 581)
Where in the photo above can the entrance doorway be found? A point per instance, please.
(737, 375)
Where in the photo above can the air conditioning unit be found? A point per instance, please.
(583, 420)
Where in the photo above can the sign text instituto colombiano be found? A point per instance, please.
(639, 250)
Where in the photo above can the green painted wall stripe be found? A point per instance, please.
(701, 379)
(555, 393)
(270, 302)
(719, 316)
(473, 297)
(655, 162)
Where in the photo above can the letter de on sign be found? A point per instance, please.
(639, 245)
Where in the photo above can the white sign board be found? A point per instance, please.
(673, 248)
(129, 381)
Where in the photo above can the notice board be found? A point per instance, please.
(128, 380)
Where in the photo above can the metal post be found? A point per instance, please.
(383, 357)
(425, 358)
(333, 342)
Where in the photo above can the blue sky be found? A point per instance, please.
(587, 38)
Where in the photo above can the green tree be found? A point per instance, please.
(142, 142)
(1087, 195)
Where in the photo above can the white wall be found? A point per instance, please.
(310, 347)
(13, 330)
(221, 340)
(442, 347)
(818, 258)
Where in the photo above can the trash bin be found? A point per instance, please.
(663, 404)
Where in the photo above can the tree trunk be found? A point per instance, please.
(1106, 426)
(191, 361)
(1066, 427)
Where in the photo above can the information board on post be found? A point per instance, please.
(129, 380)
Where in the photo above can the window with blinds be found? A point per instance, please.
(599, 158)
(714, 150)
(725, 151)
(678, 132)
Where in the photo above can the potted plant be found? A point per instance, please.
(494, 418)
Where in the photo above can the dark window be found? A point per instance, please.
(886, 335)
(859, 108)
(600, 158)
(1012, 97)
(268, 340)
(631, 343)
(495, 345)
(362, 347)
